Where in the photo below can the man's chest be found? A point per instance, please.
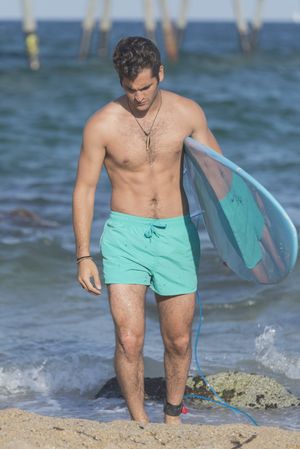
(135, 143)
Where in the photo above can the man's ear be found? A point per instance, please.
(161, 73)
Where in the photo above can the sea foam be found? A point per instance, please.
(81, 373)
(279, 362)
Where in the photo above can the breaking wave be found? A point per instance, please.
(279, 362)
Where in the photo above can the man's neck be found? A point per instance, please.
(155, 104)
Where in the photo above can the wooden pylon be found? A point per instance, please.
(105, 27)
(149, 19)
(242, 27)
(182, 20)
(31, 37)
(257, 22)
(169, 35)
(87, 29)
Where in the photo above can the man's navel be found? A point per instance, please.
(154, 201)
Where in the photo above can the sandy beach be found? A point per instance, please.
(26, 430)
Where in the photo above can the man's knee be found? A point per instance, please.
(130, 344)
(179, 346)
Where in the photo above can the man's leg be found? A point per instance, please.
(127, 304)
(176, 317)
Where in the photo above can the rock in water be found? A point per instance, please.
(236, 388)
(155, 389)
(243, 390)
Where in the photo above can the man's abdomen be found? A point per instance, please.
(153, 204)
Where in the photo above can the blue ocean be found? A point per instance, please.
(57, 342)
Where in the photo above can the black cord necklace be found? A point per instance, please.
(147, 133)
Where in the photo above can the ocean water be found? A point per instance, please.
(57, 342)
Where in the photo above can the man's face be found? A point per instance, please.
(142, 91)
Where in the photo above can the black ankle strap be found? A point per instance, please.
(172, 410)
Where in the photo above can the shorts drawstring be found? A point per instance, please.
(150, 231)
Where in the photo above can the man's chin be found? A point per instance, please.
(141, 107)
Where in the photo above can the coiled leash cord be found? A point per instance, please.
(218, 401)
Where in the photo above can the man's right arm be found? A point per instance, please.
(89, 167)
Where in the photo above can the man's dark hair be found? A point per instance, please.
(133, 54)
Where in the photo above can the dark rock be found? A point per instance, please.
(236, 388)
(155, 389)
(25, 217)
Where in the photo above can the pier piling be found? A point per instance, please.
(31, 37)
(257, 22)
(88, 25)
(168, 30)
(242, 27)
(149, 19)
(182, 21)
(105, 27)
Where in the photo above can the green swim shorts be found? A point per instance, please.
(161, 253)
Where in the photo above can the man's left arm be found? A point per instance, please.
(200, 129)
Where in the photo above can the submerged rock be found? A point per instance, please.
(243, 390)
(25, 217)
(155, 389)
(236, 388)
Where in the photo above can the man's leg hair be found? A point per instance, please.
(176, 317)
(127, 304)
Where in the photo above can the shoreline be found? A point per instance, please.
(27, 430)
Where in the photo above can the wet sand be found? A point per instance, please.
(24, 430)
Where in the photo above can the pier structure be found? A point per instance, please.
(182, 21)
(150, 24)
(168, 30)
(248, 33)
(30, 35)
(257, 22)
(88, 25)
(105, 27)
(173, 31)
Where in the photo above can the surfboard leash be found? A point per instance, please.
(218, 401)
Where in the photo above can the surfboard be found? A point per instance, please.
(250, 230)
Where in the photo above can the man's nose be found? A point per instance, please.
(138, 97)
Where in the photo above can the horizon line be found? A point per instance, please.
(119, 19)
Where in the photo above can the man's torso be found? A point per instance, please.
(147, 182)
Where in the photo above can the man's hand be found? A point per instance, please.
(88, 275)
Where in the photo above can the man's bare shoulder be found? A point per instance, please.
(183, 104)
(193, 116)
(104, 119)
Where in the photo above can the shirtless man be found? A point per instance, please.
(149, 239)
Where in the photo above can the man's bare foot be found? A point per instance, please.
(143, 422)
(142, 419)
